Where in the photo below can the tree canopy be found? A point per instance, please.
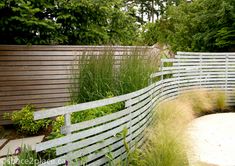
(202, 25)
(66, 22)
(196, 25)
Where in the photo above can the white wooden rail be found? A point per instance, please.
(92, 140)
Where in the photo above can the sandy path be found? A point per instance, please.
(213, 139)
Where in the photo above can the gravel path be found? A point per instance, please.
(212, 139)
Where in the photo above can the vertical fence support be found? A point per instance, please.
(130, 125)
(161, 70)
(150, 82)
(67, 123)
(200, 68)
(226, 75)
(178, 78)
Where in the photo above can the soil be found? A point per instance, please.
(9, 132)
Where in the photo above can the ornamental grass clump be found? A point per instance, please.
(135, 70)
(166, 139)
(92, 77)
(205, 102)
(95, 76)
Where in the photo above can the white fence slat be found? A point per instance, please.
(76, 145)
(89, 105)
(128, 103)
(103, 119)
(92, 156)
(118, 152)
(204, 53)
(80, 135)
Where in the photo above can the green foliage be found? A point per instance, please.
(92, 78)
(149, 34)
(25, 122)
(55, 133)
(202, 25)
(134, 72)
(96, 112)
(96, 77)
(28, 22)
(66, 22)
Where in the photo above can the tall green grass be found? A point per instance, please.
(99, 76)
(93, 77)
(134, 72)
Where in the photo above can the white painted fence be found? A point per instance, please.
(92, 141)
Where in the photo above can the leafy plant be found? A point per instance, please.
(55, 133)
(24, 121)
(96, 112)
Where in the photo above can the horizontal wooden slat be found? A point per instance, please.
(34, 87)
(70, 48)
(28, 97)
(33, 77)
(37, 106)
(34, 92)
(32, 73)
(34, 68)
(33, 101)
(35, 63)
(34, 82)
(38, 56)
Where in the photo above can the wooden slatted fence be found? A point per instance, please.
(40, 75)
(91, 141)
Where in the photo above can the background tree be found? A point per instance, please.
(66, 22)
(24, 22)
(202, 25)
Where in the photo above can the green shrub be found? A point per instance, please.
(97, 112)
(25, 122)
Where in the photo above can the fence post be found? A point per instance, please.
(226, 75)
(130, 125)
(67, 123)
(200, 75)
(178, 78)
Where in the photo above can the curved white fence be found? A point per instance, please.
(96, 142)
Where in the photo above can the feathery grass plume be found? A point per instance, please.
(204, 101)
(92, 77)
(165, 139)
(135, 69)
(219, 98)
(200, 101)
(167, 142)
